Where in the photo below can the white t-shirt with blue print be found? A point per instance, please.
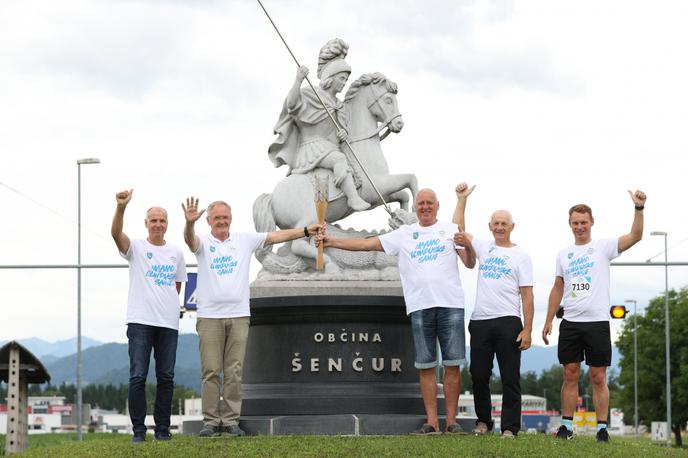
(153, 273)
(503, 271)
(222, 289)
(428, 265)
(585, 270)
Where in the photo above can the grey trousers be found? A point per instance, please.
(222, 343)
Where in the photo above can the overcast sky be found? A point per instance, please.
(542, 104)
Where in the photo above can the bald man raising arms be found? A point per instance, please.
(156, 270)
(434, 298)
(505, 285)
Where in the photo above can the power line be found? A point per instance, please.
(671, 247)
(55, 212)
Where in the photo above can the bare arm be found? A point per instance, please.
(528, 303)
(178, 284)
(190, 236)
(636, 234)
(117, 231)
(294, 95)
(467, 255)
(286, 235)
(357, 244)
(191, 214)
(462, 193)
(555, 297)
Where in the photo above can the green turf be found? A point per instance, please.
(117, 445)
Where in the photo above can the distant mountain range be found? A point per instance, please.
(50, 351)
(109, 363)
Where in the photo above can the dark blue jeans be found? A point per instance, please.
(163, 341)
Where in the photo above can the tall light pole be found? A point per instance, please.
(635, 362)
(79, 404)
(666, 320)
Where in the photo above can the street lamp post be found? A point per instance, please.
(666, 320)
(635, 363)
(79, 404)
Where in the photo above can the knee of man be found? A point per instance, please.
(571, 373)
(482, 376)
(164, 377)
(454, 371)
(137, 380)
(598, 378)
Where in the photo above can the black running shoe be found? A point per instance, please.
(138, 439)
(602, 435)
(564, 433)
(163, 435)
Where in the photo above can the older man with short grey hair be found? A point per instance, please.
(505, 283)
(222, 296)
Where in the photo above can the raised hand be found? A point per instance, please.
(123, 197)
(191, 212)
(638, 198)
(463, 190)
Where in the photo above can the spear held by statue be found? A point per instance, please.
(330, 115)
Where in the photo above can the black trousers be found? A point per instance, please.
(490, 337)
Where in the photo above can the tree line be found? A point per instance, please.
(548, 385)
(652, 393)
(114, 397)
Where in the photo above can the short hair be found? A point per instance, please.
(148, 212)
(509, 218)
(434, 194)
(216, 203)
(580, 208)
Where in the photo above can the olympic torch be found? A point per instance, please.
(321, 196)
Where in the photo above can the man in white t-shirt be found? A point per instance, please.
(582, 280)
(222, 297)
(434, 298)
(505, 281)
(156, 272)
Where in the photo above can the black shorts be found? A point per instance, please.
(589, 339)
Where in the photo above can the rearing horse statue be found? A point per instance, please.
(371, 104)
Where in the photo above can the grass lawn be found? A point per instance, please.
(117, 445)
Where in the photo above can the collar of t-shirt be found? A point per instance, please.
(227, 240)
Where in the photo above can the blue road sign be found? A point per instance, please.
(190, 292)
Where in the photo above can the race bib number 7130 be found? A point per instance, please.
(580, 287)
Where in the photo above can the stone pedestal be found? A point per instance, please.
(330, 358)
